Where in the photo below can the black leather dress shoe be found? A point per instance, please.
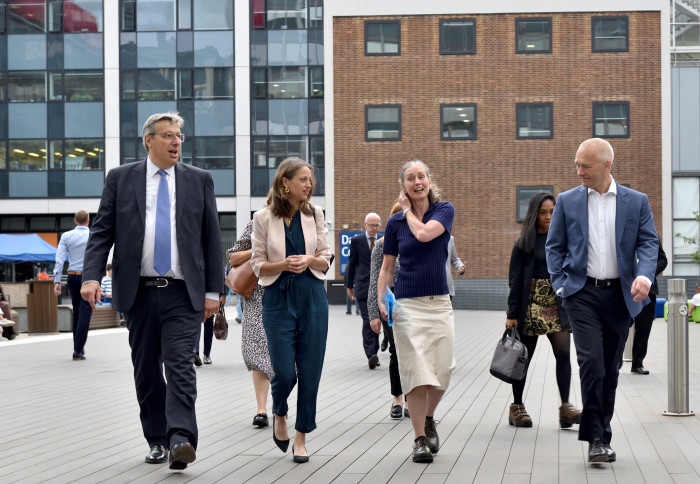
(373, 362)
(432, 436)
(640, 370)
(261, 420)
(197, 360)
(385, 344)
(181, 454)
(597, 452)
(396, 412)
(78, 356)
(157, 455)
(612, 456)
(421, 451)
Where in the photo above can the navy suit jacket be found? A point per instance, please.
(121, 220)
(357, 271)
(635, 238)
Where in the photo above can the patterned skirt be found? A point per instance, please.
(542, 316)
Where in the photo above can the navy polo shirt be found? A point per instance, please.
(422, 271)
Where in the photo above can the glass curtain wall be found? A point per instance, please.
(286, 58)
(177, 55)
(51, 99)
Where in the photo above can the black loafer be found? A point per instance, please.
(421, 451)
(157, 455)
(612, 456)
(597, 452)
(640, 370)
(181, 454)
(261, 420)
(396, 412)
(197, 360)
(405, 413)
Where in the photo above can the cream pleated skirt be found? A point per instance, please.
(424, 337)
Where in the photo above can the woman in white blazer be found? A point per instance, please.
(291, 255)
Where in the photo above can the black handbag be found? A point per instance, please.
(510, 358)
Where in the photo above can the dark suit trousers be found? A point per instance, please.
(599, 323)
(370, 339)
(642, 328)
(208, 328)
(82, 312)
(163, 329)
(394, 376)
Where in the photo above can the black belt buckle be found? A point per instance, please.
(160, 282)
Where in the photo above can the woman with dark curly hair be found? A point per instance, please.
(533, 309)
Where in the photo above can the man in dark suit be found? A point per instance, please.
(644, 320)
(601, 253)
(357, 282)
(161, 217)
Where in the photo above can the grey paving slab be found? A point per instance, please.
(77, 422)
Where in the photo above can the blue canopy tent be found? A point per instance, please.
(19, 248)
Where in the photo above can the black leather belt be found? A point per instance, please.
(158, 281)
(604, 283)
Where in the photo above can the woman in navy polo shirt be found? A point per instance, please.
(423, 317)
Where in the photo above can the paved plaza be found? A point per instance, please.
(77, 421)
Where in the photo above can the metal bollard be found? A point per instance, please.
(677, 350)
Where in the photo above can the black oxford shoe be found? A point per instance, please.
(181, 454)
(611, 453)
(597, 452)
(431, 435)
(157, 455)
(421, 451)
(640, 370)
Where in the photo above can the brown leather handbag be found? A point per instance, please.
(220, 324)
(242, 280)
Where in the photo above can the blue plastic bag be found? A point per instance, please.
(389, 303)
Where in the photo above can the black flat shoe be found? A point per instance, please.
(597, 452)
(197, 360)
(282, 444)
(260, 420)
(157, 455)
(385, 344)
(640, 370)
(299, 459)
(181, 454)
(396, 412)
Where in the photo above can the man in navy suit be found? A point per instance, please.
(357, 282)
(601, 254)
(161, 217)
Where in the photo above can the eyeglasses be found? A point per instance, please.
(374, 226)
(171, 136)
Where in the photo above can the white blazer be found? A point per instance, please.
(269, 241)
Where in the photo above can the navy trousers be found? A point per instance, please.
(642, 329)
(370, 339)
(208, 336)
(394, 375)
(599, 324)
(163, 329)
(82, 312)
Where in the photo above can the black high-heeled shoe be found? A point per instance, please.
(299, 459)
(282, 444)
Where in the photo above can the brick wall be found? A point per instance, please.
(480, 177)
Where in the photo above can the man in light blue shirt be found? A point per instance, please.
(73, 243)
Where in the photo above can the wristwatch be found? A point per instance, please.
(406, 210)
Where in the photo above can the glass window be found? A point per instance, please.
(382, 37)
(84, 120)
(286, 14)
(282, 147)
(533, 35)
(26, 120)
(458, 36)
(53, 18)
(258, 48)
(55, 88)
(185, 14)
(156, 84)
(457, 121)
(26, 86)
(315, 47)
(84, 85)
(686, 197)
(30, 181)
(26, 52)
(155, 15)
(534, 120)
(3, 123)
(147, 108)
(85, 154)
(128, 15)
(127, 50)
(611, 119)
(82, 51)
(315, 14)
(128, 84)
(214, 152)
(56, 115)
(260, 152)
(316, 122)
(258, 117)
(288, 117)
(27, 155)
(259, 83)
(3, 156)
(55, 155)
(316, 82)
(213, 49)
(84, 183)
(185, 85)
(213, 83)
(213, 14)
(287, 48)
(610, 34)
(287, 82)
(523, 194)
(383, 123)
(38, 223)
(156, 49)
(82, 16)
(26, 17)
(258, 11)
(54, 51)
(185, 49)
(213, 118)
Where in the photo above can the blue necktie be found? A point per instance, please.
(161, 250)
